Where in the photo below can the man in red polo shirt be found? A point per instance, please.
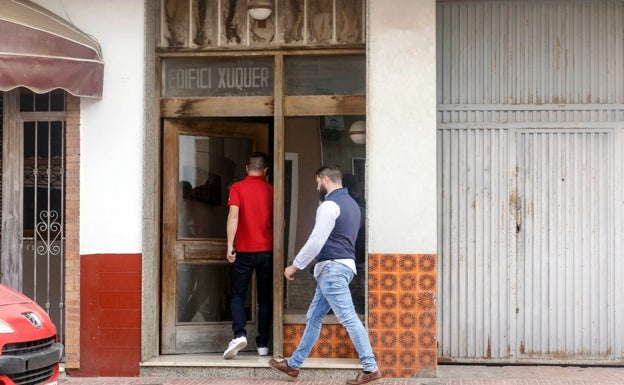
(249, 248)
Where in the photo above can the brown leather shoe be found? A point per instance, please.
(366, 378)
(289, 373)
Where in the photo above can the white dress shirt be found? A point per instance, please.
(326, 215)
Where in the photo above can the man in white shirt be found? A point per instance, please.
(332, 244)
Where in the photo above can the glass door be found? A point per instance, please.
(202, 158)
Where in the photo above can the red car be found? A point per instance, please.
(30, 352)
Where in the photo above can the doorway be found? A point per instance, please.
(33, 197)
(202, 158)
(323, 85)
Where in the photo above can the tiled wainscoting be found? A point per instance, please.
(401, 318)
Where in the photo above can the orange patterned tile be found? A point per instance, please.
(387, 358)
(407, 340)
(374, 337)
(391, 373)
(388, 282)
(407, 301)
(373, 302)
(388, 340)
(373, 282)
(407, 359)
(427, 282)
(373, 263)
(408, 282)
(322, 349)
(402, 313)
(388, 301)
(427, 339)
(389, 263)
(426, 320)
(426, 263)
(388, 320)
(407, 320)
(408, 263)
(425, 301)
(327, 332)
(426, 358)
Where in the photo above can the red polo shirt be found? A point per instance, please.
(254, 198)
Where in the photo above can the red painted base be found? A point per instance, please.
(110, 315)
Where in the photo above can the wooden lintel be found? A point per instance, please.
(222, 106)
(325, 105)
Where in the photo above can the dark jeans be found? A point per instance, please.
(243, 268)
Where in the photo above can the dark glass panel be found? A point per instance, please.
(325, 75)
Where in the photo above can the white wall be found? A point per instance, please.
(401, 138)
(111, 128)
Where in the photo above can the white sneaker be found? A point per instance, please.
(235, 345)
(263, 351)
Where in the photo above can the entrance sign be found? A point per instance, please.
(210, 77)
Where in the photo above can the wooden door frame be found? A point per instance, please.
(277, 106)
(12, 202)
(196, 249)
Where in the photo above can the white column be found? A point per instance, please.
(401, 117)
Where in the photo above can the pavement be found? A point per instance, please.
(447, 375)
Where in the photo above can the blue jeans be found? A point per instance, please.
(332, 292)
(244, 266)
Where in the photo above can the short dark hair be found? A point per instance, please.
(333, 172)
(258, 161)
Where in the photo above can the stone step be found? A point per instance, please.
(245, 364)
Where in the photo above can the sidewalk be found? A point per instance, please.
(447, 375)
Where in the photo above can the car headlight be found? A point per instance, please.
(5, 328)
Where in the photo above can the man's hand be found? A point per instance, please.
(289, 272)
(231, 256)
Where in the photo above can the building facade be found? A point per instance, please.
(154, 121)
(480, 137)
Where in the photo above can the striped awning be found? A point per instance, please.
(41, 51)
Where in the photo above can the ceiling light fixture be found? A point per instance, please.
(259, 9)
(357, 132)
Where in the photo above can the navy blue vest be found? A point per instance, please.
(341, 241)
